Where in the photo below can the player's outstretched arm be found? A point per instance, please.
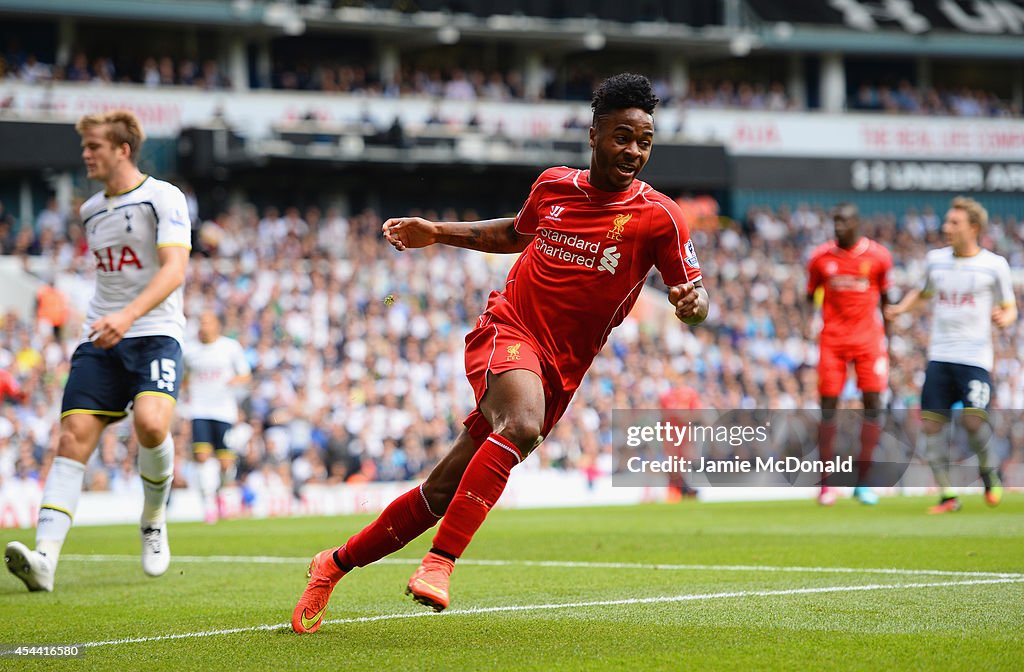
(490, 235)
(691, 302)
(914, 299)
(107, 331)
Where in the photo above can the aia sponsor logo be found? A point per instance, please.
(956, 299)
(114, 260)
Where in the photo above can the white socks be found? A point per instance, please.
(208, 473)
(156, 467)
(60, 500)
(937, 452)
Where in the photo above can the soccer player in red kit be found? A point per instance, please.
(853, 273)
(674, 402)
(588, 240)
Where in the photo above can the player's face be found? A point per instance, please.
(958, 230)
(99, 154)
(209, 327)
(621, 144)
(847, 228)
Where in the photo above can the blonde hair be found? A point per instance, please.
(976, 212)
(123, 128)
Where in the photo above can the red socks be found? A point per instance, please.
(479, 490)
(826, 444)
(409, 516)
(870, 432)
(402, 521)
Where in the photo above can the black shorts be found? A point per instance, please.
(208, 435)
(947, 384)
(105, 382)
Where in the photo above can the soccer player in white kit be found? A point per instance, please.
(973, 291)
(214, 365)
(139, 232)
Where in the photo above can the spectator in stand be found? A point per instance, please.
(78, 70)
(166, 70)
(103, 70)
(34, 72)
(150, 73)
(51, 218)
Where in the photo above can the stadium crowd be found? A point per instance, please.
(476, 84)
(356, 350)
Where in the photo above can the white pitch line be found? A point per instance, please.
(667, 599)
(281, 560)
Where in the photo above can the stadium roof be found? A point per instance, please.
(989, 29)
(223, 12)
(982, 28)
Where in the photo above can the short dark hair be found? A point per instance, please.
(845, 209)
(621, 92)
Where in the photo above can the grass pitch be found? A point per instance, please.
(784, 586)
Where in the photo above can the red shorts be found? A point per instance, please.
(870, 361)
(495, 347)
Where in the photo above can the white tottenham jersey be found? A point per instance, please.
(966, 289)
(210, 366)
(124, 232)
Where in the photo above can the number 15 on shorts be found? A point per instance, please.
(164, 373)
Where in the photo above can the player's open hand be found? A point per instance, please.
(409, 232)
(108, 331)
(691, 302)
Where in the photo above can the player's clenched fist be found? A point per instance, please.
(691, 302)
(409, 232)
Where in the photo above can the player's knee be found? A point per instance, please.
(438, 494)
(69, 445)
(973, 423)
(522, 431)
(151, 431)
(931, 427)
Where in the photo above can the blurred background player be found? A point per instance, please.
(130, 354)
(973, 291)
(589, 239)
(215, 367)
(52, 308)
(852, 273)
(675, 403)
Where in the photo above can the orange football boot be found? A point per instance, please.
(993, 488)
(947, 505)
(323, 575)
(429, 583)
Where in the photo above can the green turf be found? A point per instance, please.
(969, 626)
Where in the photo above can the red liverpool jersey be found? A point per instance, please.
(853, 281)
(584, 269)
